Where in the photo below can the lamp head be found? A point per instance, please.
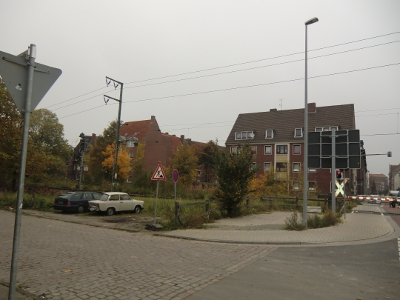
(311, 21)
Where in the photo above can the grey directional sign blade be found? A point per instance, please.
(14, 71)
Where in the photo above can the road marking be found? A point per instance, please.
(398, 244)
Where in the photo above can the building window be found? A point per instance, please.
(281, 149)
(234, 149)
(244, 135)
(298, 132)
(296, 167)
(281, 167)
(253, 165)
(130, 154)
(296, 185)
(326, 128)
(198, 172)
(269, 134)
(267, 150)
(296, 149)
(312, 185)
(253, 150)
(130, 144)
(267, 167)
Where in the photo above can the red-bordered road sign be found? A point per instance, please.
(159, 173)
(175, 175)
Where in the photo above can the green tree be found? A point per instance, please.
(99, 173)
(185, 161)
(234, 172)
(10, 138)
(48, 151)
(207, 159)
(140, 179)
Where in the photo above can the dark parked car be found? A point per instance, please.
(75, 201)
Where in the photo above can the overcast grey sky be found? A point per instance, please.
(196, 65)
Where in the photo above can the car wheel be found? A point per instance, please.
(81, 209)
(137, 209)
(110, 211)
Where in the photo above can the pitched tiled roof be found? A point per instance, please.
(284, 122)
(136, 129)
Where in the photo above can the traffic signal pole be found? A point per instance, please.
(333, 170)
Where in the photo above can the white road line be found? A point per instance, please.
(398, 244)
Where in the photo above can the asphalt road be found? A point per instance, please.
(369, 271)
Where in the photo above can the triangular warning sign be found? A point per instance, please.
(159, 173)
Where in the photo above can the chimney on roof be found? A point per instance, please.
(312, 107)
(153, 118)
(182, 138)
(273, 109)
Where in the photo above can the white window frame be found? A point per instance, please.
(234, 149)
(270, 147)
(312, 188)
(298, 169)
(244, 135)
(312, 170)
(253, 165)
(296, 185)
(269, 134)
(130, 144)
(269, 168)
(294, 153)
(296, 132)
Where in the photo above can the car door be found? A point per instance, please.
(126, 202)
(115, 202)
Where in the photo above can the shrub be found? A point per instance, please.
(294, 222)
(328, 219)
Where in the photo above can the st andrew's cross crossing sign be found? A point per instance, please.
(159, 173)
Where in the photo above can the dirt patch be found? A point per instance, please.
(123, 221)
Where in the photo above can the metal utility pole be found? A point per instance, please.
(82, 150)
(106, 99)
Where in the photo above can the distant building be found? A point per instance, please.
(379, 184)
(394, 177)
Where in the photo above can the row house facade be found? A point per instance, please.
(277, 142)
(159, 147)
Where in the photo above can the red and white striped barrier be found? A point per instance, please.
(385, 199)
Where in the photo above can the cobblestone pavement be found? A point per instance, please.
(73, 261)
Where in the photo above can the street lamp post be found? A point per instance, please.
(305, 167)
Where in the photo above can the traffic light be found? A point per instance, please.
(339, 174)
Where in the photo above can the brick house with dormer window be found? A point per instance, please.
(277, 141)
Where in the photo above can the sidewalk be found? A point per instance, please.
(18, 295)
(268, 229)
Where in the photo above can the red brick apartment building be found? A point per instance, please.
(277, 141)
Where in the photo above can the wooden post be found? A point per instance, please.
(176, 211)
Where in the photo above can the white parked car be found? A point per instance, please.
(112, 202)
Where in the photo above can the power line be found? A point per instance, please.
(263, 59)
(242, 87)
(260, 67)
(238, 64)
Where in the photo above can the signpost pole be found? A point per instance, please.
(333, 139)
(17, 226)
(155, 204)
